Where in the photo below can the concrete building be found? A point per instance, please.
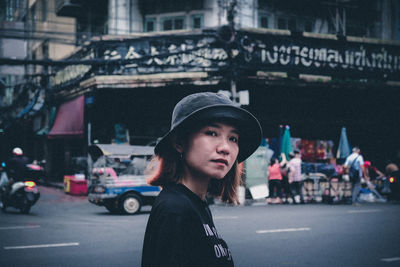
(29, 30)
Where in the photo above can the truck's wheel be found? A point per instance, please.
(130, 204)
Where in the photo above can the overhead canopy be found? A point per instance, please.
(120, 151)
(69, 120)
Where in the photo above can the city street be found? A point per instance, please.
(64, 230)
(119, 98)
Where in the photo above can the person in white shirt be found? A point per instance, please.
(354, 164)
(295, 178)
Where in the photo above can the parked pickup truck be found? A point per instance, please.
(116, 177)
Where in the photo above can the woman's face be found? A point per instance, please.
(211, 151)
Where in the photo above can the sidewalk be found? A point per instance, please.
(54, 184)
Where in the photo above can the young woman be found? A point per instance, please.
(208, 139)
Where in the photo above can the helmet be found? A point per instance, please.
(17, 151)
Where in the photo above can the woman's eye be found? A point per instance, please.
(234, 139)
(211, 133)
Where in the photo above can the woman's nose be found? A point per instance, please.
(223, 146)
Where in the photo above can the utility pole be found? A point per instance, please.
(232, 65)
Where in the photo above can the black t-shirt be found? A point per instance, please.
(181, 232)
(17, 168)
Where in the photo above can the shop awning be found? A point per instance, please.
(69, 120)
(121, 151)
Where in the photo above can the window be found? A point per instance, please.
(263, 21)
(150, 25)
(283, 24)
(308, 26)
(33, 16)
(196, 21)
(287, 24)
(9, 7)
(173, 23)
(163, 6)
(44, 10)
(45, 50)
(293, 25)
(167, 25)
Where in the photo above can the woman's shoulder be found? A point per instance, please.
(172, 200)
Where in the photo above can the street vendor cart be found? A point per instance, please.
(116, 177)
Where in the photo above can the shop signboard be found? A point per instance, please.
(157, 54)
(248, 52)
(352, 58)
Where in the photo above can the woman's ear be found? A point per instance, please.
(176, 144)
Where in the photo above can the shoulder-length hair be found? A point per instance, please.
(167, 167)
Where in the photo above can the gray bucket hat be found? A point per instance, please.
(214, 106)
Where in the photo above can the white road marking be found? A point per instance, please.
(19, 227)
(391, 259)
(283, 230)
(362, 211)
(225, 217)
(259, 204)
(44, 246)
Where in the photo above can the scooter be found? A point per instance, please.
(394, 180)
(22, 196)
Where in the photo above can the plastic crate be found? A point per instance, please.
(77, 187)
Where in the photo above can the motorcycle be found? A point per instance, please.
(394, 182)
(22, 196)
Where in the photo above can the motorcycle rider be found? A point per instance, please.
(16, 169)
(391, 168)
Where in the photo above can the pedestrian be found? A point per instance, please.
(371, 176)
(274, 181)
(286, 193)
(200, 155)
(354, 165)
(372, 172)
(295, 178)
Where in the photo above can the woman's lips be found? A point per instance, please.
(223, 161)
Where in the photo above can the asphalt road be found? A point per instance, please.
(64, 230)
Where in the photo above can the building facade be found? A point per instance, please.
(30, 32)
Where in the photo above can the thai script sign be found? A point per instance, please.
(308, 56)
(321, 56)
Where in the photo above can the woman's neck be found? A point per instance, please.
(197, 185)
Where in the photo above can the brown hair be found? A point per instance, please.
(167, 167)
